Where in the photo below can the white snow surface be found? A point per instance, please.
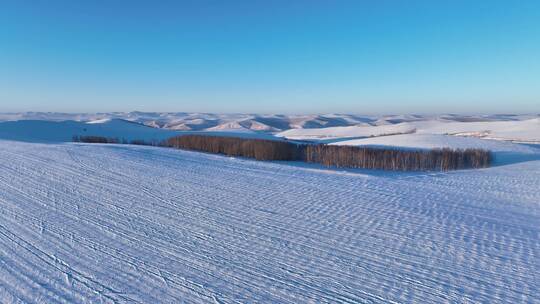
(346, 132)
(521, 130)
(430, 141)
(63, 131)
(270, 123)
(83, 223)
(53, 131)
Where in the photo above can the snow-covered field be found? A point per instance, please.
(527, 130)
(63, 131)
(117, 223)
(83, 223)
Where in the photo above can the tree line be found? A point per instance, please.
(398, 160)
(98, 139)
(259, 149)
(337, 156)
(112, 140)
(327, 155)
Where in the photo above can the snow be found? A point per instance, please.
(520, 130)
(230, 126)
(87, 223)
(83, 223)
(345, 132)
(269, 123)
(430, 141)
(52, 131)
(523, 130)
(99, 121)
(63, 131)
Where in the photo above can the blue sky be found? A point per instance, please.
(270, 56)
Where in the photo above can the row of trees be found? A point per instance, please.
(337, 156)
(112, 140)
(252, 148)
(332, 156)
(98, 139)
(393, 159)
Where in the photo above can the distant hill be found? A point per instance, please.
(260, 123)
(63, 131)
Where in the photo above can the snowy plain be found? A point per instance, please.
(91, 223)
(527, 130)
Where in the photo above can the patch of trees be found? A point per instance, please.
(112, 140)
(258, 149)
(96, 139)
(399, 160)
(327, 155)
(336, 156)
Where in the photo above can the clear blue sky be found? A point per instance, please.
(270, 56)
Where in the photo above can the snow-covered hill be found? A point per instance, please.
(429, 141)
(416, 132)
(63, 131)
(516, 130)
(520, 130)
(345, 132)
(266, 123)
(82, 223)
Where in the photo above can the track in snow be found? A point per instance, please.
(92, 223)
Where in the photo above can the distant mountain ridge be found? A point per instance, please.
(260, 123)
